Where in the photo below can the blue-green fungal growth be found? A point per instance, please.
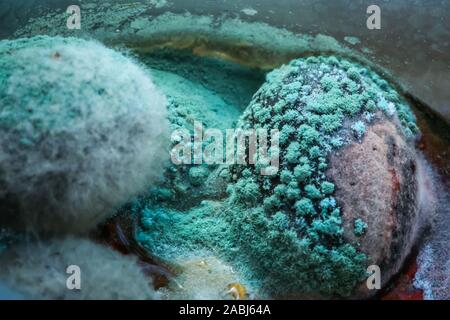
(360, 227)
(82, 128)
(359, 128)
(283, 233)
(198, 175)
(289, 225)
(197, 93)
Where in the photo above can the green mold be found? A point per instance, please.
(359, 128)
(324, 104)
(284, 233)
(360, 227)
(82, 128)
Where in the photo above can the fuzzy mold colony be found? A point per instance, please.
(82, 129)
(312, 229)
(106, 274)
(323, 107)
(80, 138)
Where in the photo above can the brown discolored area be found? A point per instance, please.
(376, 182)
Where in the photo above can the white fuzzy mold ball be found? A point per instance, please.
(82, 128)
(40, 271)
